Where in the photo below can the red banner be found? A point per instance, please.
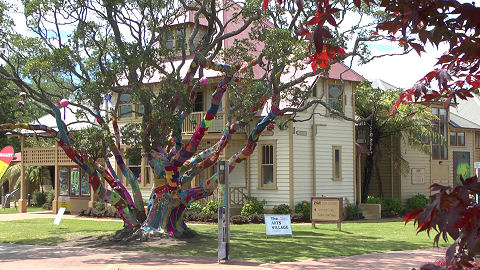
(6, 156)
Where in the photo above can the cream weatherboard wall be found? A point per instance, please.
(280, 194)
(310, 144)
(334, 131)
(302, 160)
(435, 171)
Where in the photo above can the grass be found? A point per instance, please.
(15, 210)
(41, 231)
(247, 241)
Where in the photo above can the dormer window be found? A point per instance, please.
(169, 39)
(180, 39)
(175, 38)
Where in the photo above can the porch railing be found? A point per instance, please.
(238, 196)
(190, 126)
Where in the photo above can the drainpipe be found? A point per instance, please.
(314, 157)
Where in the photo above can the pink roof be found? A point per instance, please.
(334, 73)
(347, 74)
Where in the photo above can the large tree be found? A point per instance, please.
(411, 124)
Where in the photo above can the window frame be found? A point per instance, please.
(477, 141)
(177, 46)
(127, 103)
(261, 144)
(135, 109)
(341, 98)
(436, 126)
(339, 176)
(456, 138)
(127, 163)
(69, 179)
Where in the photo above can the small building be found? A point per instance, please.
(460, 126)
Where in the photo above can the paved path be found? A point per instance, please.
(42, 257)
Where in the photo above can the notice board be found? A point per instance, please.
(326, 209)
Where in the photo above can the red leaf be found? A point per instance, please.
(357, 3)
(431, 75)
(445, 58)
(412, 215)
(318, 39)
(417, 47)
(428, 97)
(314, 65)
(265, 5)
(316, 18)
(331, 20)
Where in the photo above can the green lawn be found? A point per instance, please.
(247, 241)
(15, 210)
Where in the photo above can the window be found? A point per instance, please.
(440, 151)
(169, 39)
(477, 140)
(175, 39)
(198, 102)
(140, 110)
(457, 138)
(134, 162)
(336, 162)
(267, 165)
(180, 39)
(73, 182)
(126, 107)
(335, 97)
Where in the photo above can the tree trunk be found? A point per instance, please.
(369, 165)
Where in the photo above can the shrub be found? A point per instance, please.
(304, 209)
(252, 206)
(239, 219)
(200, 217)
(282, 209)
(418, 201)
(374, 200)
(392, 207)
(50, 195)
(39, 198)
(99, 205)
(195, 206)
(257, 218)
(297, 218)
(353, 212)
(211, 207)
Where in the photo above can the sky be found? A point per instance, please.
(401, 71)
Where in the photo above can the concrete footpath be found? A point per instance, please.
(18, 257)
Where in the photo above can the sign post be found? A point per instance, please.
(326, 209)
(223, 211)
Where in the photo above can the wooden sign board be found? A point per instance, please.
(326, 209)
